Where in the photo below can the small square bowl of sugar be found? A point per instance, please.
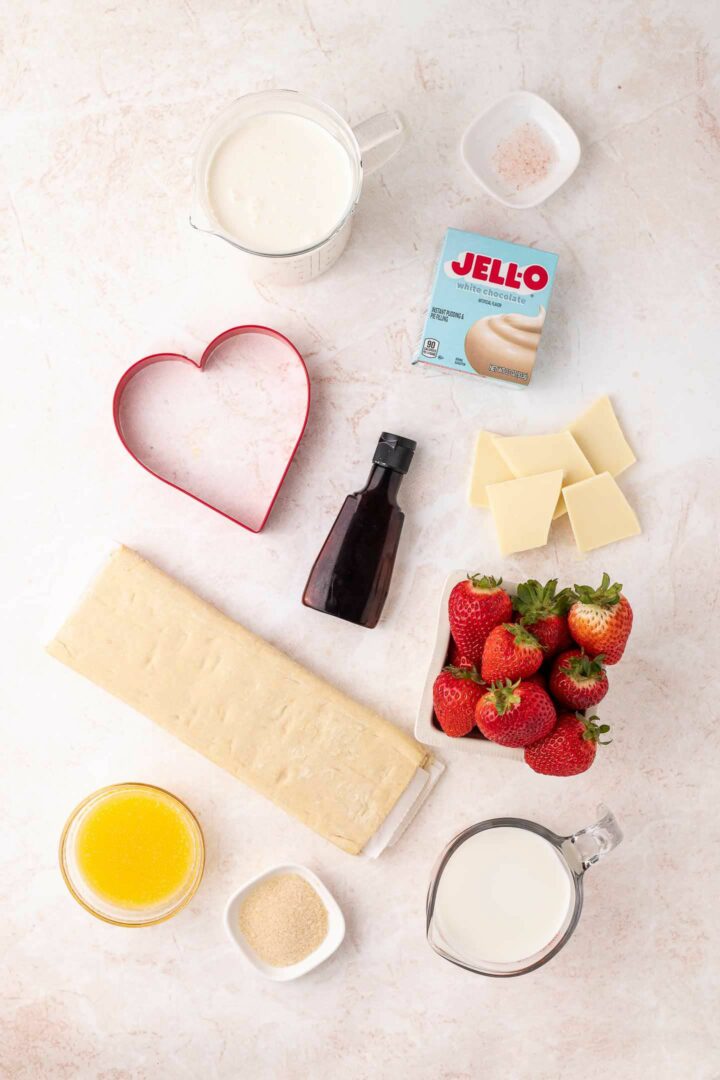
(521, 150)
(285, 922)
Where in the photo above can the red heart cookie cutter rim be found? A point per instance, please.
(201, 364)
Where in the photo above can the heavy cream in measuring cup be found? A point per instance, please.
(502, 897)
(280, 183)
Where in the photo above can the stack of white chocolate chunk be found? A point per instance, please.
(529, 480)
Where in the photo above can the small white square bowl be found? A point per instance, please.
(331, 942)
(485, 132)
(426, 729)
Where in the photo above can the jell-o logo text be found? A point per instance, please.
(470, 264)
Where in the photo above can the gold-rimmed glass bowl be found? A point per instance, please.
(130, 914)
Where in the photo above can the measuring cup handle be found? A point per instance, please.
(379, 139)
(590, 844)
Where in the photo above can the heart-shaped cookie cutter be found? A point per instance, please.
(200, 365)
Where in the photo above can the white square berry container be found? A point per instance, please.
(427, 729)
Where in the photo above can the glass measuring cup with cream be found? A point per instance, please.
(278, 174)
(506, 894)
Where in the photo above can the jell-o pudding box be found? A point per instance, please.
(488, 307)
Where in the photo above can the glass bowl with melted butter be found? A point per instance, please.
(132, 854)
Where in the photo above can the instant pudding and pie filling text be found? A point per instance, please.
(488, 307)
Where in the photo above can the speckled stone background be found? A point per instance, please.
(102, 106)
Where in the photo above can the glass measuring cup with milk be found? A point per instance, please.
(506, 894)
(278, 174)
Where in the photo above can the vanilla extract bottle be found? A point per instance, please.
(351, 575)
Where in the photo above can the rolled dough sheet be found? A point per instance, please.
(332, 763)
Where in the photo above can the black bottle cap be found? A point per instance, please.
(394, 452)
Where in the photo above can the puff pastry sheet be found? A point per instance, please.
(335, 765)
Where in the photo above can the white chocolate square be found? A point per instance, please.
(523, 510)
(599, 512)
(600, 437)
(488, 467)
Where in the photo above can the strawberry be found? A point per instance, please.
(456, 692)
(570, 748)
(515, 713)
(538, 679)
(455, 657)
(510, 652)
(576, 681)
(565, 637)
(475, 607)
(542, 611)
(601, 619)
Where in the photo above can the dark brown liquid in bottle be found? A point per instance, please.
(351, 575)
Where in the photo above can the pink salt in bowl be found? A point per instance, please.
(521, 150)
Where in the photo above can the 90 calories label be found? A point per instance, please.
(476, 272)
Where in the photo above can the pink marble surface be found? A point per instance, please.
(102, 108)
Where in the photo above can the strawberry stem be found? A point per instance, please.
(593, 731)
(523, 637)
(584, 667)
(464, 673)
(484, 581)
(504, 695)
(606, 595)
(534, 601)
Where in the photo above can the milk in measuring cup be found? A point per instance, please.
(502, 897)
(279, 183)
